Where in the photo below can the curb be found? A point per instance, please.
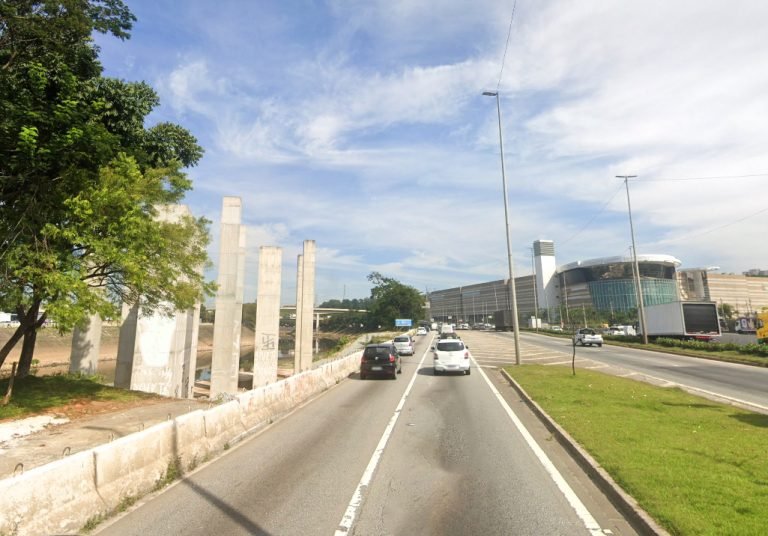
(637, 517)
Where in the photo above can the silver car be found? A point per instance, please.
(404, 344)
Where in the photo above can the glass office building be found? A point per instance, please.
(608, 284)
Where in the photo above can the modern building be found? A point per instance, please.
(608, 283)
(602, 284)
(746, 294)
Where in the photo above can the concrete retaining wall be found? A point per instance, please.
(62, 496)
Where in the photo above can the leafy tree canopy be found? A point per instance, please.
(86, 190)
(391, 299)
(354, 303)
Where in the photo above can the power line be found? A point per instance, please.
(509, 33)
(714, 228)
(594, 216)
(706, 178)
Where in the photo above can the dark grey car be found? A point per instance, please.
(380, 359)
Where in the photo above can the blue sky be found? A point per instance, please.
(362, 125)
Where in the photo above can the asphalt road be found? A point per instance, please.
(740, 383)
(420, 455)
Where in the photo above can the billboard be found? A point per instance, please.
(403, 322)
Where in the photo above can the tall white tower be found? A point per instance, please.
(546, 268)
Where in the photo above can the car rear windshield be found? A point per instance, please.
(372, 352)
(401, 339)
(450, 346)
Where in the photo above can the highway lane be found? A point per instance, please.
(454, 463)
(733, 381)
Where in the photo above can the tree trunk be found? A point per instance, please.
(8, 346)
(28, 322)
(30, 337)
(27, 351)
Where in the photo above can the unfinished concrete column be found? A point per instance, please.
(307, 305)
(155, 350)
(225, 361)
(125, 346)
(189, 368)
(297, 330)
(86, 345)
(267, 335)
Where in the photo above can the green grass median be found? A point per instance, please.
(33, 395)
(696, 466)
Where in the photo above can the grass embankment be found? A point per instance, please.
(34, 395)
(697, 467)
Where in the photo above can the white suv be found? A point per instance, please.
(450, 355)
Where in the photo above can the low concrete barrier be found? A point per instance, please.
(61, 497)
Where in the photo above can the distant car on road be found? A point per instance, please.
(404, 344)
(451, 335)
(380, 359)
(450, 355)
(421, 331)
(587, 337)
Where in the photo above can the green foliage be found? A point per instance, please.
(760, 350)
(249, 315)
(84, 185)
(354, 304)
(391, 299)
(173, 472)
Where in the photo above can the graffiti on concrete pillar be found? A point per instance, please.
(268, 341)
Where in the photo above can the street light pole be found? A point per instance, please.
(512, 293)
(638, 286)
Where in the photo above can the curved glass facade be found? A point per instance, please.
(620, 295)
(611, 285)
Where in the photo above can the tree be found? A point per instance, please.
(391, 299)
(83, 182)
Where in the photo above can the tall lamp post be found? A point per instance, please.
(512, 293)
(638, 286)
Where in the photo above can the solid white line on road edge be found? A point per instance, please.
(357, 497)
(689, 388)
(589, 522)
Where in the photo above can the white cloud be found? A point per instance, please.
(372, 138)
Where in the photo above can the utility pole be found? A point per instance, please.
(638, 286)
(535, 292)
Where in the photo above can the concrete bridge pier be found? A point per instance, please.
(267, 333)
(225, 360)
(86, 345)
(305, 300)
(156, 352)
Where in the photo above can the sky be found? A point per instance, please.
(362, 125)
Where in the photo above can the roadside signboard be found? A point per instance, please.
(403, 322)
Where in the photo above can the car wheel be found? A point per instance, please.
(362, 376)
(468, 371)
(436, 372)
(394, 374)
(599, 345)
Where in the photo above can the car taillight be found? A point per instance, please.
(466, 355)
(391, 358)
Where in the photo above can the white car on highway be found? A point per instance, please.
(450, 355)
(587, 337)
